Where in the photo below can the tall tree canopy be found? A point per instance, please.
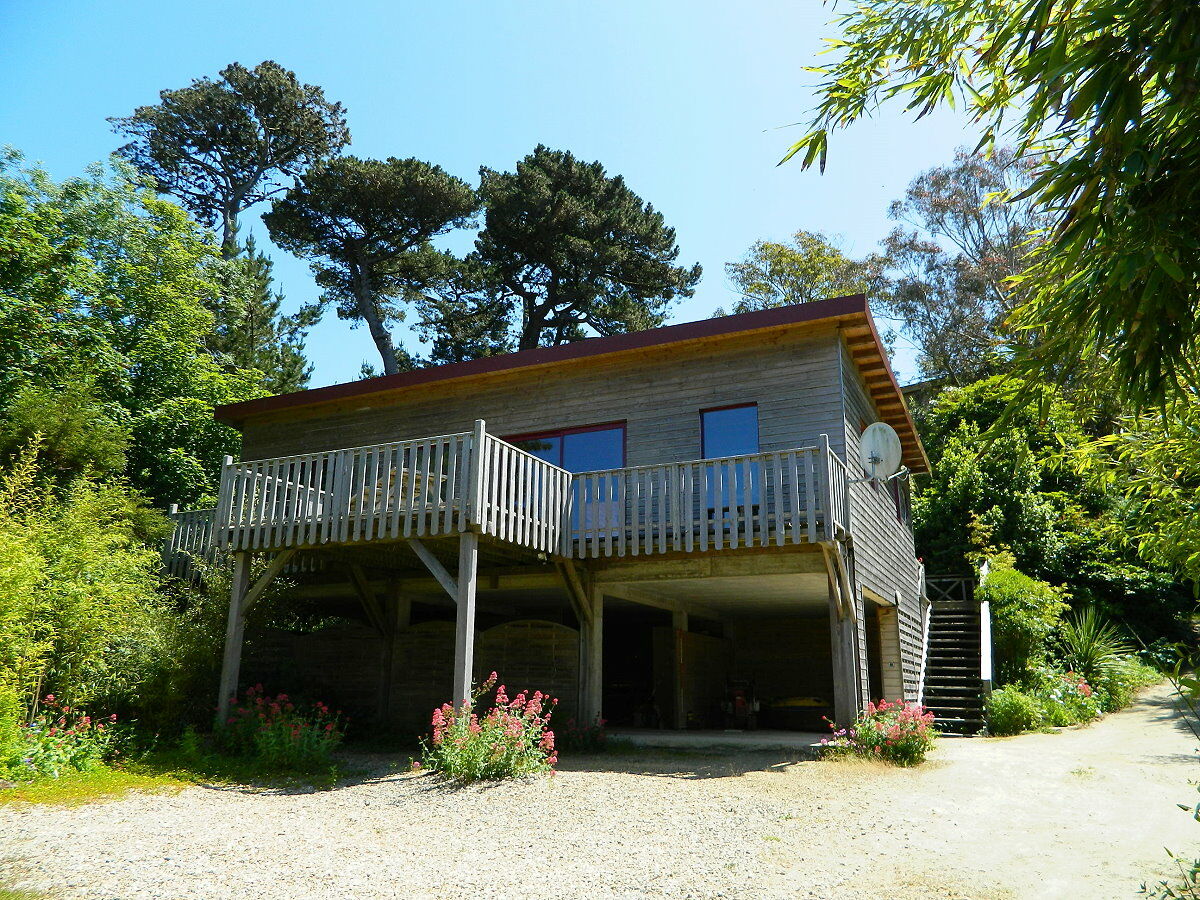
(948, 275)
(368, 225)
(565, 247)
(1105, 91)
(250, 330)
(223, 145)
(809, 267)
(104, 320)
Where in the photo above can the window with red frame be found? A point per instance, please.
(586, 449)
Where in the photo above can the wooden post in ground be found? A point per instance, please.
(591, 657)
(464, 636)
(398, 609)
(679, 625)
(843, 637)
(235, 629)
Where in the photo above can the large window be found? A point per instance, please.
(584, 449)
(729, 430)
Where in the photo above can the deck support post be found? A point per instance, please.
(235, 629)
(679, 627)
(464, 635)
(591, 659)
(843, 637)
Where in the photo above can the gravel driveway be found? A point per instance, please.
(1082, 813)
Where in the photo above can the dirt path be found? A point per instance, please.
(1083, 813)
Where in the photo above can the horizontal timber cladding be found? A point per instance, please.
(792, 376)
(884, 555)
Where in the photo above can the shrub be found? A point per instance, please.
(283, 736)
(1066, 698)
(1117, 686)
(580, 738)
(1026, 614)
(510, 740)
(900, 733)
(1010, 711)
(1092, 646)
(60, 740)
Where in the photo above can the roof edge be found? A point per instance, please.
(815, 311)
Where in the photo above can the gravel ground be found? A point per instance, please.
(1082, 813)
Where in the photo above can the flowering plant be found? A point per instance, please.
(1067, 698)
(63, 738)
(898, 732)
(281, 733)
(510, 740)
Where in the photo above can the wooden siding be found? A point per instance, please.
(793, 377)
(884, 555)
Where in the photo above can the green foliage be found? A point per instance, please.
(60, 740)
(80, 614)
(221, 146)
(1015, 483)
(1026, 614)
(75, 431)
(565, 247)
(249, 329)
(1066, 697)
(1153, 463)
(1105, 90)
(282, 735)
(509, 741)
(1011, 711)
(1118, 684)
(368, 225)
(1091, 646)
(104, 297)
(809, 267)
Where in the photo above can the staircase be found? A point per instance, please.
(953, 685)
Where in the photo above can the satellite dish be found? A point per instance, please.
(879, 450)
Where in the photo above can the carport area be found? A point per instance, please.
(717, 646)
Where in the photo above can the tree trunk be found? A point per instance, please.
(365, 297)
(229, 232)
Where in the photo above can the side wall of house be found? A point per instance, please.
(793, 377)
(884, 555)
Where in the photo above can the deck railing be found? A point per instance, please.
(761, 499)
(190, 543)
(474, 481)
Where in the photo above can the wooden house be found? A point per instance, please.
(657, 527)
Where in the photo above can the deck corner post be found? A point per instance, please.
(591, 646)
(464, 632)
(235, 629)
(843, 637)
(476, 476)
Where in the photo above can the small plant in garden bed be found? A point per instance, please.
(281, 734)
(510, 740)
(577, 737)
(61, 740)
(900, 733)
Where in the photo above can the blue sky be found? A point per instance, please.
(688, 100)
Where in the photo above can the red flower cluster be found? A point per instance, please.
(512, 738)
(897, 731)
(279, 731)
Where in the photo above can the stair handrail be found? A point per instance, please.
(985, 633)
(926, 614)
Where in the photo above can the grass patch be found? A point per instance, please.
(101, 783)
(159, 771)
(14, 894)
